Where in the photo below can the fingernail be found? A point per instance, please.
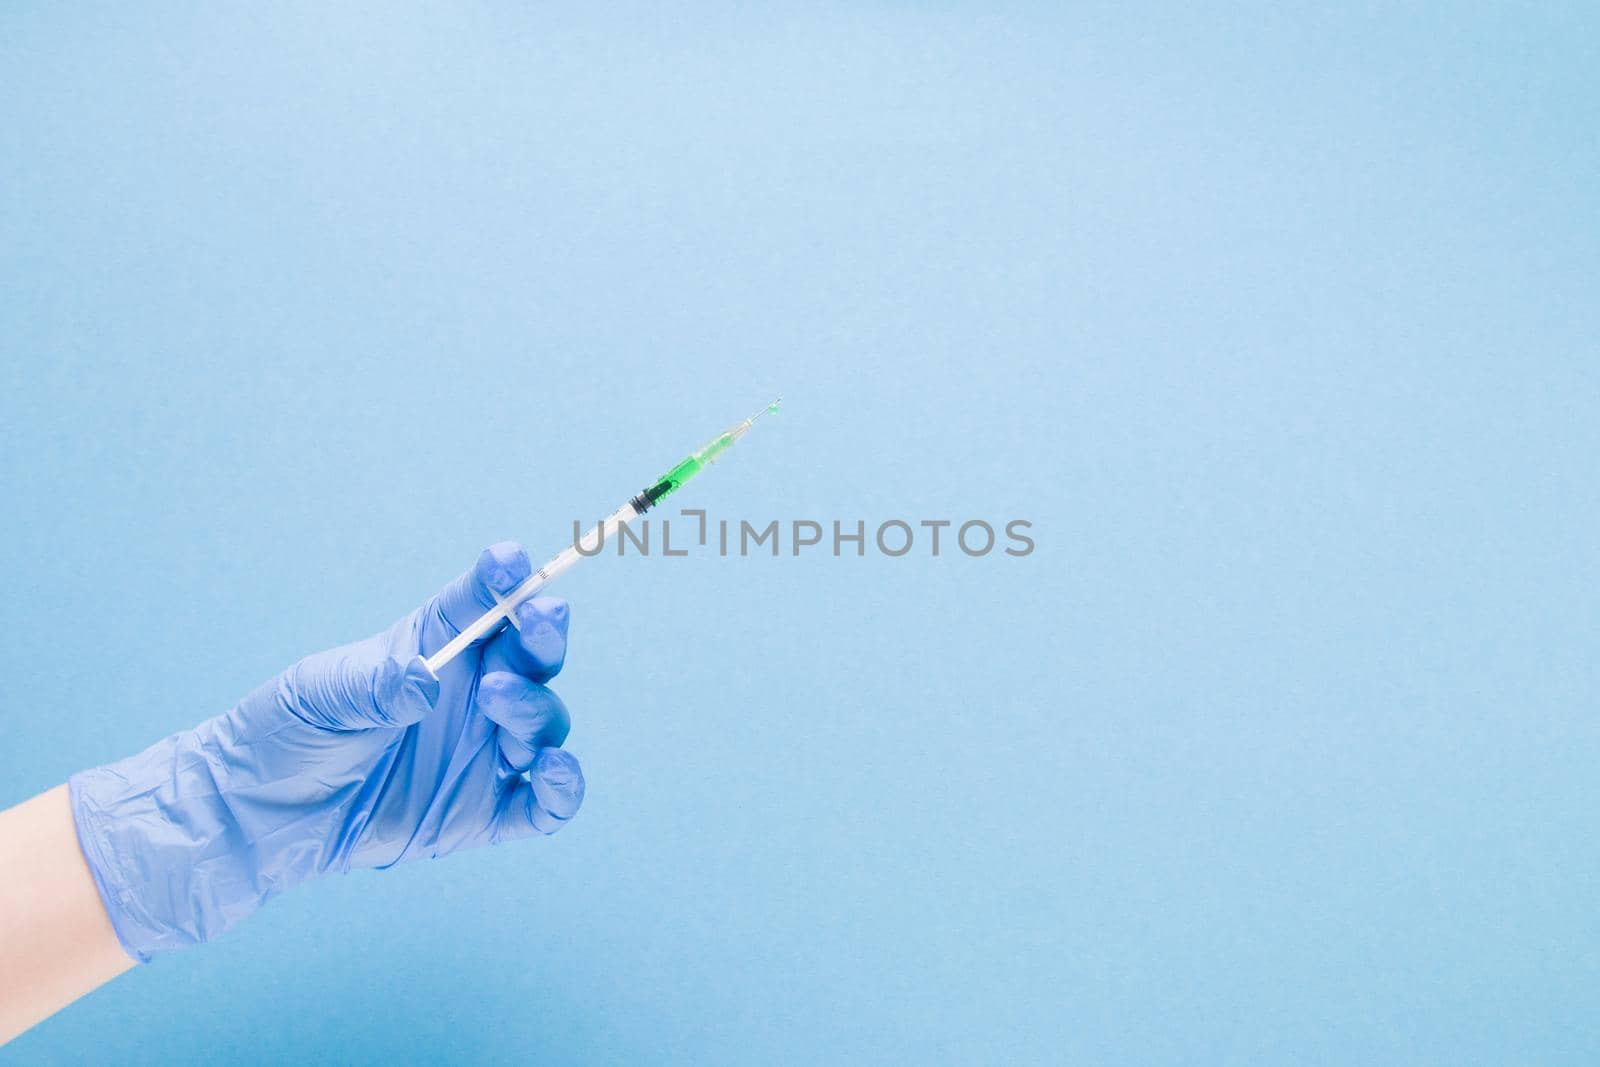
(504, 566)
(558, 782)
(543, 612)
(551, 607)
(419, 677)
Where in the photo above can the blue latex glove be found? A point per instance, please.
(355, 757)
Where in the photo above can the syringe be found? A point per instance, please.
(589, 544)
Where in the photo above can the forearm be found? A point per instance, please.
(56, 943)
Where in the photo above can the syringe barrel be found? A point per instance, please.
(476, 629)
(694, 463)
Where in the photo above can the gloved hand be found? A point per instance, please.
(355, 757)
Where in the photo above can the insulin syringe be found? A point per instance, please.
(589, 544)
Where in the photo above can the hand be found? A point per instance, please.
(354, 757)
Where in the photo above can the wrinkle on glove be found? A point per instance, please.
(354, 757)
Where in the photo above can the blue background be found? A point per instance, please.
(1279, 323)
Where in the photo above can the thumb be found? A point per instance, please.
(404, 693)
(343, 690)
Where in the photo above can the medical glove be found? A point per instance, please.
(355, 757)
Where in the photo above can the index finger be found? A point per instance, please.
(536, 646)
